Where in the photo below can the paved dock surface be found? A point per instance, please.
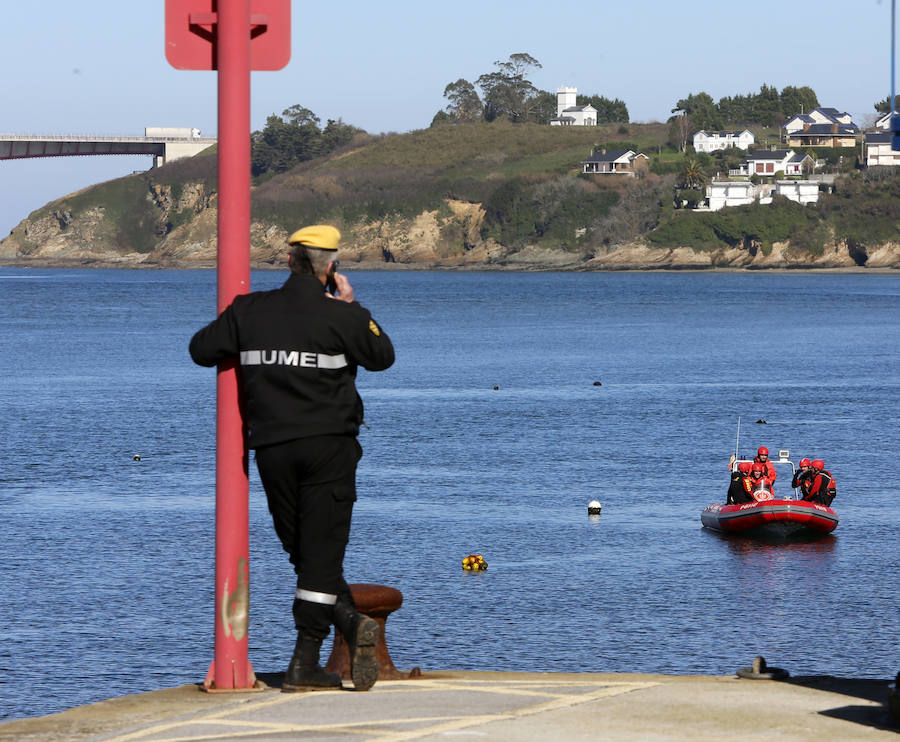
(525, 707)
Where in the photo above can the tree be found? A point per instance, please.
(295, 137)
(692, 175)
(734, 109)
(701, 109)
(507, 93)
(797, 100)
(337, 134)
(883, 106)
(766, 108)
(299, 116)
(542, 107)
(680, 130)
(465, 105)
(608, 111)
(636, 212)
(270, 147)
(441, 117)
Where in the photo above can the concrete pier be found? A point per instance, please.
(530, 707)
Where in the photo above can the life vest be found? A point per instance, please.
(804, 480)
(770, 468)
(822, 487)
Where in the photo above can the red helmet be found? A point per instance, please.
(744, 467)
(818, 464)
(804, 462)
(758, 466)
(762, 451)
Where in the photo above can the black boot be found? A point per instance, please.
(304, 671)
(361, 635)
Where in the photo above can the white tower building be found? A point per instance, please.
(565, 98)
(568, 113)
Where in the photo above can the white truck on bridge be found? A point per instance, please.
(171, 132)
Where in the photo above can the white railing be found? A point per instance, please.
(95, 138)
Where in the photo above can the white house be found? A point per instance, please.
(710, 141)
(817, 116)
(723, 193)
(616, 162)
(801, 191)
(884, 121)
(570, 114)
(878, 150)
(769, 162)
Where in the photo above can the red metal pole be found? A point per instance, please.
(232, 668)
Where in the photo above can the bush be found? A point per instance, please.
(864, 208)
(740, 226)
(127, 206)
(636, 212)
(522, 210)
(665, 166)
(692, 196)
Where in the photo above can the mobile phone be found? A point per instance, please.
(330, 283)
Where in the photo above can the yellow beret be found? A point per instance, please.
(321, 236)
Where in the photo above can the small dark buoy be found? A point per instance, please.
(496, 388)
(136, 457)
(761, 671)
(761, 421)
(597, 383)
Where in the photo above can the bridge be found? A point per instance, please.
(162, 143)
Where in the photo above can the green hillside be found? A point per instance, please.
(527, 178)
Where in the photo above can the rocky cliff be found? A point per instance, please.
(178, 230)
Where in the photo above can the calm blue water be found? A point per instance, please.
(107, 574)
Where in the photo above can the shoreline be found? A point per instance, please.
(350, 266)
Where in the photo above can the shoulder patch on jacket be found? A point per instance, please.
(376, 330)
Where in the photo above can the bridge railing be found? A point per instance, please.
(96, 138)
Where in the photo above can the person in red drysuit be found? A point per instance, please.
(758, 486)
(823, 488)
(803, 477)
(762, 456)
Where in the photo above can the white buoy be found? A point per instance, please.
(136, 457)
(594, 507)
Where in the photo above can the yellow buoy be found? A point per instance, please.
(474, 563)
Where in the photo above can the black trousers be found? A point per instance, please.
(310, 486)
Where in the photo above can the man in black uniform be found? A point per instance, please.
(299, 348)
(737, 493)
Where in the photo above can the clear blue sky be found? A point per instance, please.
(99, 66)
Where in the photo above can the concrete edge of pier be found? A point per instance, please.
(493, 705)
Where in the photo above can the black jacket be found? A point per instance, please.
(299, 351)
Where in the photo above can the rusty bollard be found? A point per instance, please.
(377, 602)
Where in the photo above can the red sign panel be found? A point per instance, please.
(191, 34)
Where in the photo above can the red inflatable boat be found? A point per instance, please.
(769, 516)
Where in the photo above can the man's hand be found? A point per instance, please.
(344, 289)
